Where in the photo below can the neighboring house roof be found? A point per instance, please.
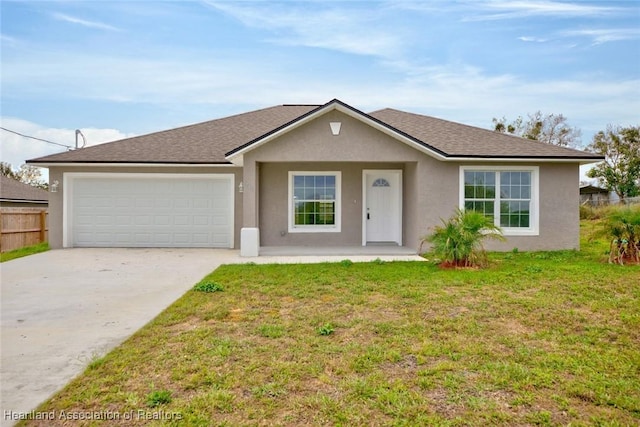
(224, 140)
(592, 189)
(12, 190)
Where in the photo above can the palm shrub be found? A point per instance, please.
(458, 241)
(623, 227)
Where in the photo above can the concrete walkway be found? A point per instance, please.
(62, 308)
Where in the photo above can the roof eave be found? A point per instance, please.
(552, 159)
(10, 200)
(66, 163)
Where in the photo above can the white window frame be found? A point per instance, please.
(534, 218)
(320, 228)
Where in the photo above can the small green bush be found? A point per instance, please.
(458, 242)
(208, 287)
(271, 331)
(326, 329)
(158, 397)
(623, 228)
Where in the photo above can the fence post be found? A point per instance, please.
(43, 225)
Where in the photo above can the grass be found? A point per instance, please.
(22, 252)
(548, 338)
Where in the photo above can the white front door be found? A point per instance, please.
(382, 195)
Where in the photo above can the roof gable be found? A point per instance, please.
(236, 156)
(442, 139)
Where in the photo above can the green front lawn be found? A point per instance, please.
(549, 338)
(22, 252)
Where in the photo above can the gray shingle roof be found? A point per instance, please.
(458, 140)
(12, 190)
(203, 143)
(209, 142)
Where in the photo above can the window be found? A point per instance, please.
(380, 182)
(314, 202)
(507, 195)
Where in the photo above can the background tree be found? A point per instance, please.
(32, 175)
(549, 128)
(7, 170)
(27, 174)
(620, 170)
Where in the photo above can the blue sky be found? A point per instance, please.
(122, 68)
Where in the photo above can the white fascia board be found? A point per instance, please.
(134, 165)
(520, 160)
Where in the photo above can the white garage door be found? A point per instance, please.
(149, 210)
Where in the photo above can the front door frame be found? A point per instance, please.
(365, 173)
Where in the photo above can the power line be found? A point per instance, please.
(37, 139)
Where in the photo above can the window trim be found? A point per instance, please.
(320, 228)
(534, 219)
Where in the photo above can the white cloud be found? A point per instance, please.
(600, 36)
(533, 39)
(349, 30)
(527, 9)
(84, 23)
(16, 149)
(455, 91)
(8, 40)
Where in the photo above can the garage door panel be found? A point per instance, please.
(182, 238)
(152, 211)
(142, 238)
(162, 220)
(162, 203)
(104, 220)
(121, 238)
(124, 219)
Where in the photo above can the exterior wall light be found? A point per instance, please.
(54, 186)
(240, 188)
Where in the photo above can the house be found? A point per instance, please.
(594, 196)
(312, 175)
(15, 194)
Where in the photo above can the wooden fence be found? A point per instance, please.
(20, 227)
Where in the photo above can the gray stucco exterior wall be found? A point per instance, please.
(430, 190)
(274, 202)
(357, 147)
(430, 186)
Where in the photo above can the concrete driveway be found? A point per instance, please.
(62, 308)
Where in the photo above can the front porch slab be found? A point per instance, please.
(346, 251)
